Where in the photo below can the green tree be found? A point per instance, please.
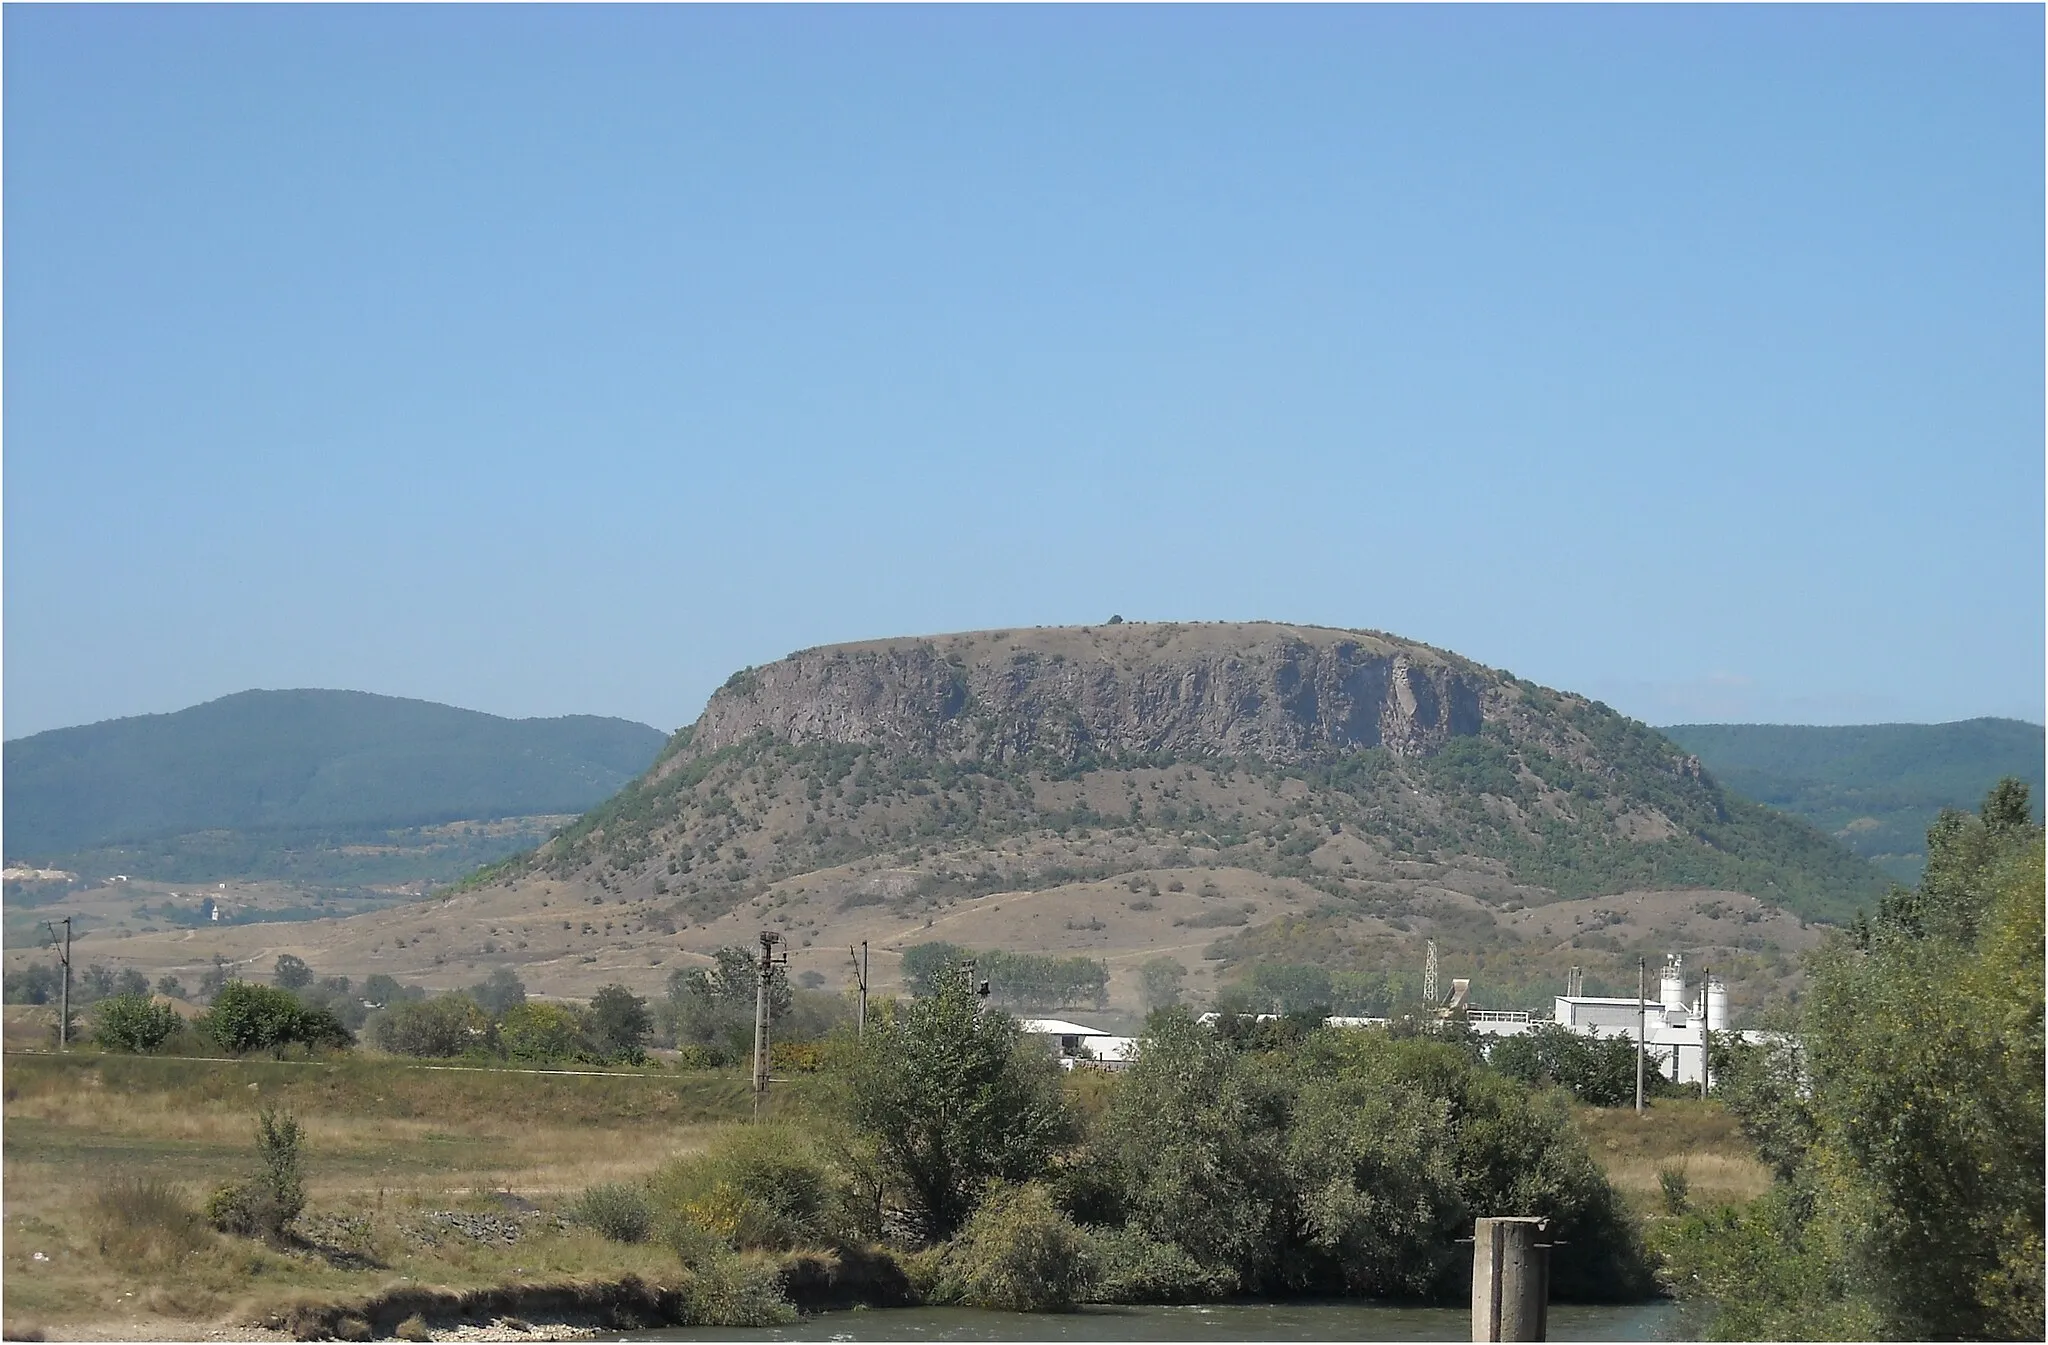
(499, 993)
(36, 983)
(925, 964)
(619, 1023)
(291, 973)
(1907, 1130)
(952, 1098)
(1159, 982)
(382, 991)
(1596, 1070)
(1278, 987)
(1194, 1143)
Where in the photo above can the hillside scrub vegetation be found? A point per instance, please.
(1560, 792)
(1904, 1118)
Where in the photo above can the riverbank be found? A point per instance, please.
(424, 1180)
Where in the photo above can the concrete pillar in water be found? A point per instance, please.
(1510, 1279)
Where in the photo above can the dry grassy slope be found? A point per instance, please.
(762, 819)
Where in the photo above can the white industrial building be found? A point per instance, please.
(1673, 1025)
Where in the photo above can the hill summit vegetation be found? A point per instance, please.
(1390, 788)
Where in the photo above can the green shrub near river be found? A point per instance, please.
(1324, 1163)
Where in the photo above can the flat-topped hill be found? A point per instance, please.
(1229, 797)
(1061, 696)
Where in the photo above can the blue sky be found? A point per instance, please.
(555, 360)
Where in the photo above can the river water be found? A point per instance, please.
(1210, 1322)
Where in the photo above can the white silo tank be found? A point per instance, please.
(1671, 989)
(1717, 1005)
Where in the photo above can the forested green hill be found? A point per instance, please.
(1874, 787)
(271, 760)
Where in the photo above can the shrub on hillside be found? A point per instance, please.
(1018, 1254)
(133, 1023)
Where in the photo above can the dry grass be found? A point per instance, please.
(1699, 1139)
(387, 1144)
(140, 1220)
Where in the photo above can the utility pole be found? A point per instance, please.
(1706, 979)
(1642, 1026)
(764, 974)
(64, 1001)
(860, 977)
(979, 989)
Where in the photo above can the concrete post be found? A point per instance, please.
(1510, 1279)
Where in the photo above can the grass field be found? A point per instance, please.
(1698, 1140)
(388, 1146)
(414, 1173)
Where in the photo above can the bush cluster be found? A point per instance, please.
(247, 1017)
(133, 1023)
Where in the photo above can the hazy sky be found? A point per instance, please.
(547, 360)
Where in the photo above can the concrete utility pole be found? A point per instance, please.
(1706, 979)
(1510, 1279)
(764, 975)
(1642, 1024)
(860, 977)
(64, 995)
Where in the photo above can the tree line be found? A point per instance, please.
(1902, 1115)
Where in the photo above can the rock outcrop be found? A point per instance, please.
(1063, 696)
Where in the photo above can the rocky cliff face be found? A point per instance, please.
(1278, 693)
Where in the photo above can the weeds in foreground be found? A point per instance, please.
(1677, 1188)
(618, 1211)
(144, 1220)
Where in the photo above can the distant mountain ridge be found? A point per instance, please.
(291, 760)
(1874, 787)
